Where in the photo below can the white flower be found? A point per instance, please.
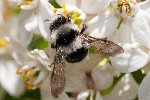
(9, 81)
(33, 15)
(34, 64)
(144, 89)
(8, 67)
(84, 95)
(129, 26)
(125, 89)
(87, 6)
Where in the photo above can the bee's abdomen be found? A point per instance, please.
(65, 36)
(76, 56)
(59, 21)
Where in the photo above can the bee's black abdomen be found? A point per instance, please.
(65, 36)
(77, 55)
(60, 20)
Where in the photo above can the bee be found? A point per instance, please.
(72, 46)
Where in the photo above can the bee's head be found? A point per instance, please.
(57, 21)
(72, 14)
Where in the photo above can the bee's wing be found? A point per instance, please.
(103, 46)
(58, 79)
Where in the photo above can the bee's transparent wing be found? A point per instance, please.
(58, 79)
(103, 46)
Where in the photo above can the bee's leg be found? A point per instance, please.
(83, 28)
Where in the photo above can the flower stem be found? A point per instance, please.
(109, 89)
(120, 22)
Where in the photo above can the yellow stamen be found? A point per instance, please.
(38, 84)
(19, 4)
(103, 62)
(134, 3)
(25, 78)
(55, 10)
(75, 18)
(28, 2)
(29, 86)
(19, 72)
(30, 73)
(65, 11)
(75, 14)
(78, 22)
(63, 6)
(3, 43)
(129, 13)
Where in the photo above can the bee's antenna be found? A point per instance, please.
(46, 20)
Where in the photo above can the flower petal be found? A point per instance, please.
(33, 4)
(145, 5)
(76, 73)
(131, 60)
(124, 34)
(144, 89)
(45, 12)
(103, 25)
(93, 7)
(69, 2)
(83, 95)
(141, 28)
(126, 89)
(27, 27)
(2, 8)
(10, 81)
(32, 23)
(103, 78)
(75, 79)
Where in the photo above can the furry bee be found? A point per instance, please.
(72, 46)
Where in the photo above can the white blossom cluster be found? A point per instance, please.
(124, 22)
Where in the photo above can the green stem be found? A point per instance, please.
(109, 89)
(120, 22)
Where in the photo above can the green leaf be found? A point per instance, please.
(114, 83)
(29, 95)
(33, 94)
(38, 42)
(54, 4)
(138, 76)
(17, 11)
(136, 98)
